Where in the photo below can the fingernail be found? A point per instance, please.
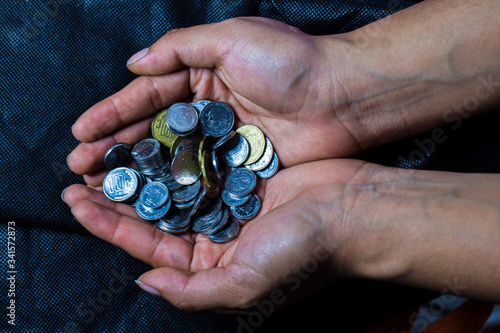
(138, 56)
(147, 288)
(62, 194)
(67, 159)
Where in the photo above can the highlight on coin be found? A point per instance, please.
(196, 173)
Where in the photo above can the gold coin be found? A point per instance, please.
(206, 171)
(256, 141)
(160, 130)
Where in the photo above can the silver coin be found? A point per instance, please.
(241, 182)
(236, 151)
(219, 143)
(121, 184)
(152, 214)
(200, 105)
(264, 161)
(202, 225)
(185, 205)
(271, 169)
(216, 119)
(219, 224)
(234, 201)
(175, 221)
(118, 156)
(154, 195)
(198, 200)
(190, 143)
(226, 234)
(182, 118)
(208, 212)
(149, 156)
(187, 192)
(247, 211)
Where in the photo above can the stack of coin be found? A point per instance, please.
(123, 184)
(206, 183)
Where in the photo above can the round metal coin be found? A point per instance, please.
(265, 159)
(271, 169)
(247, 211)
(226, 234)
(200, 105)
(220, 224)
(216, 119)
(233, 201)
(187, 193)
(118, 156)
(160, 130)
(154, 195)
(152, 214)
(182, 119)
(121, 184)
(175, 221)
(219, 143)
(240, 182)
(256, 141)
(185, 167)
(236, 151)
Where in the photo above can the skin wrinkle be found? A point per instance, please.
(154, 98)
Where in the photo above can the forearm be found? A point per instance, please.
(434, 230)
(434, 63)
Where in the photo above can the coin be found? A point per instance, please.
(154, 195)
(218, 167)
(234, 201)
(175, 221)
(202, 225)
(264, 160)
(121, 184)
(198, 201)
(187, 192)
(152, 214)
(210, 210)
(247, 211)
(182, 118)
(226, 234)
(271, 169)
(185, 205)
(185, 167)
(160, 130)
(218, 225)
(216, 119)
(219, 143)
(256, 141)
(236, 151)
(118, 156)
(240, 182)
(200, 105)
(206, 171)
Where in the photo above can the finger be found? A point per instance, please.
(215, 289)
(89, 157)
(96, 178)
(79, 192)
(141, 98)
(139, 238)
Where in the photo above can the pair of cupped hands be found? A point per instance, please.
(327, 214)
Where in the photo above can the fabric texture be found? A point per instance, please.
(59, 57)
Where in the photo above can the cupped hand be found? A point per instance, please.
(195, 274)
(271, 74)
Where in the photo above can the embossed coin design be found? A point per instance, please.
(152, 214)
(182, 119)
(236, 151)
(216, 119)
(265, 159)
(247, 211)
(160, 130)
(121, 184)
(118, 156)
(154, 195)
(226, 234)
(256, 141)
(271, 169)
(240, 182)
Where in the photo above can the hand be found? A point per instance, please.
(273, 76)
(195, 274)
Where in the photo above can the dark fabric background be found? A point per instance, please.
(61, 57)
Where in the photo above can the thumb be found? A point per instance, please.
(200, 46)
(211, 289)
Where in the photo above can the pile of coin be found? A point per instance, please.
(196, 173)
